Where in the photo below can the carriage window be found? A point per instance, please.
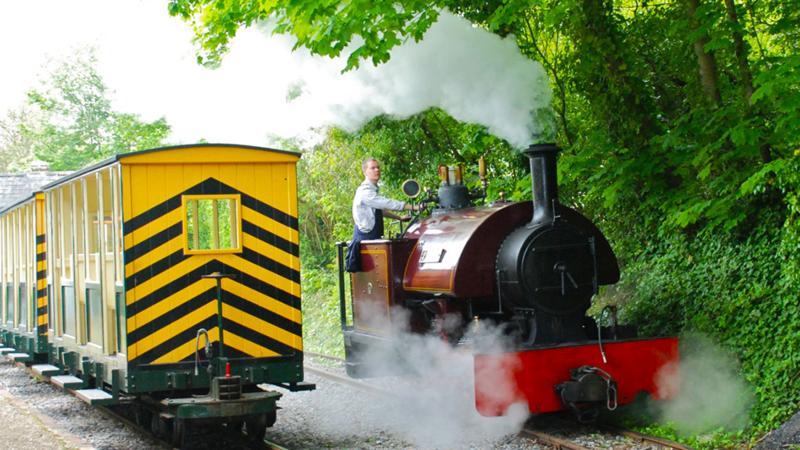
(22, 304)
(212, 224)
(122, 339)
(94, 314)
(10, 303)
(68, 310)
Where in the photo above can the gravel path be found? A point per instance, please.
(69, 420)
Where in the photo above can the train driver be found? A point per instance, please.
(369, 209)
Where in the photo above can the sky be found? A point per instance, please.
(148, 62)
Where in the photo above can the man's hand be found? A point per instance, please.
(405, 218)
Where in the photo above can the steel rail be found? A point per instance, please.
(321, 356)
(348, 381)
(549, 439)
(660, 442)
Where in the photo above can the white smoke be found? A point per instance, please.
(708, 392)
(433, 402)
(474, 75)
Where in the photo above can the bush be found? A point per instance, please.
(736, 291)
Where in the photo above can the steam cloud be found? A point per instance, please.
(433, 404)
(474, 75)
(710, 393)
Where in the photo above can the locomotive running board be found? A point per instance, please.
(531, 376)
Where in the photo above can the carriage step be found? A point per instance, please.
(66, 381)
(45, 370)
(4, 350)
(19, 357)
(95, 396)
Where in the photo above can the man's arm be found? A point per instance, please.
(406, 218)
(391, 215)
(371, 198)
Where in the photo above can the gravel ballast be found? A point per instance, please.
(417, 414)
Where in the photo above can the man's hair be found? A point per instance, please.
(366, 161)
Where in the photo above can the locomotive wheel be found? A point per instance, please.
(256, 426)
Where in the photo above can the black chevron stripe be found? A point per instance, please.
(170, 288)
(40, 239)
(270, 238)
(210, 186)
(262, 313)
(237, 302)
(154, 269)
(258, 338)
(171, 316)
(263, 287)
(151, 214)
(270, 264)
(247, 254)
(208, 323)
(188, 362)
(154, 241)
(176, 341)
(203, 298)
(183, 281)
(269, 211)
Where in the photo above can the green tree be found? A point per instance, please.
(16, 147)
(77, 125)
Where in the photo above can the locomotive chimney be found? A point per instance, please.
(544, 181)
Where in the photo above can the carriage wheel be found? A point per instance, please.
(180, 428)
(256, 426)
(142, 416)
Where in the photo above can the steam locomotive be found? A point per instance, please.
(530, 269)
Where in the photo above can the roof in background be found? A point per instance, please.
(15, 187)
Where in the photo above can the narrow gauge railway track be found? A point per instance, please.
(558, 442)
(656, 441)
(565, 442)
